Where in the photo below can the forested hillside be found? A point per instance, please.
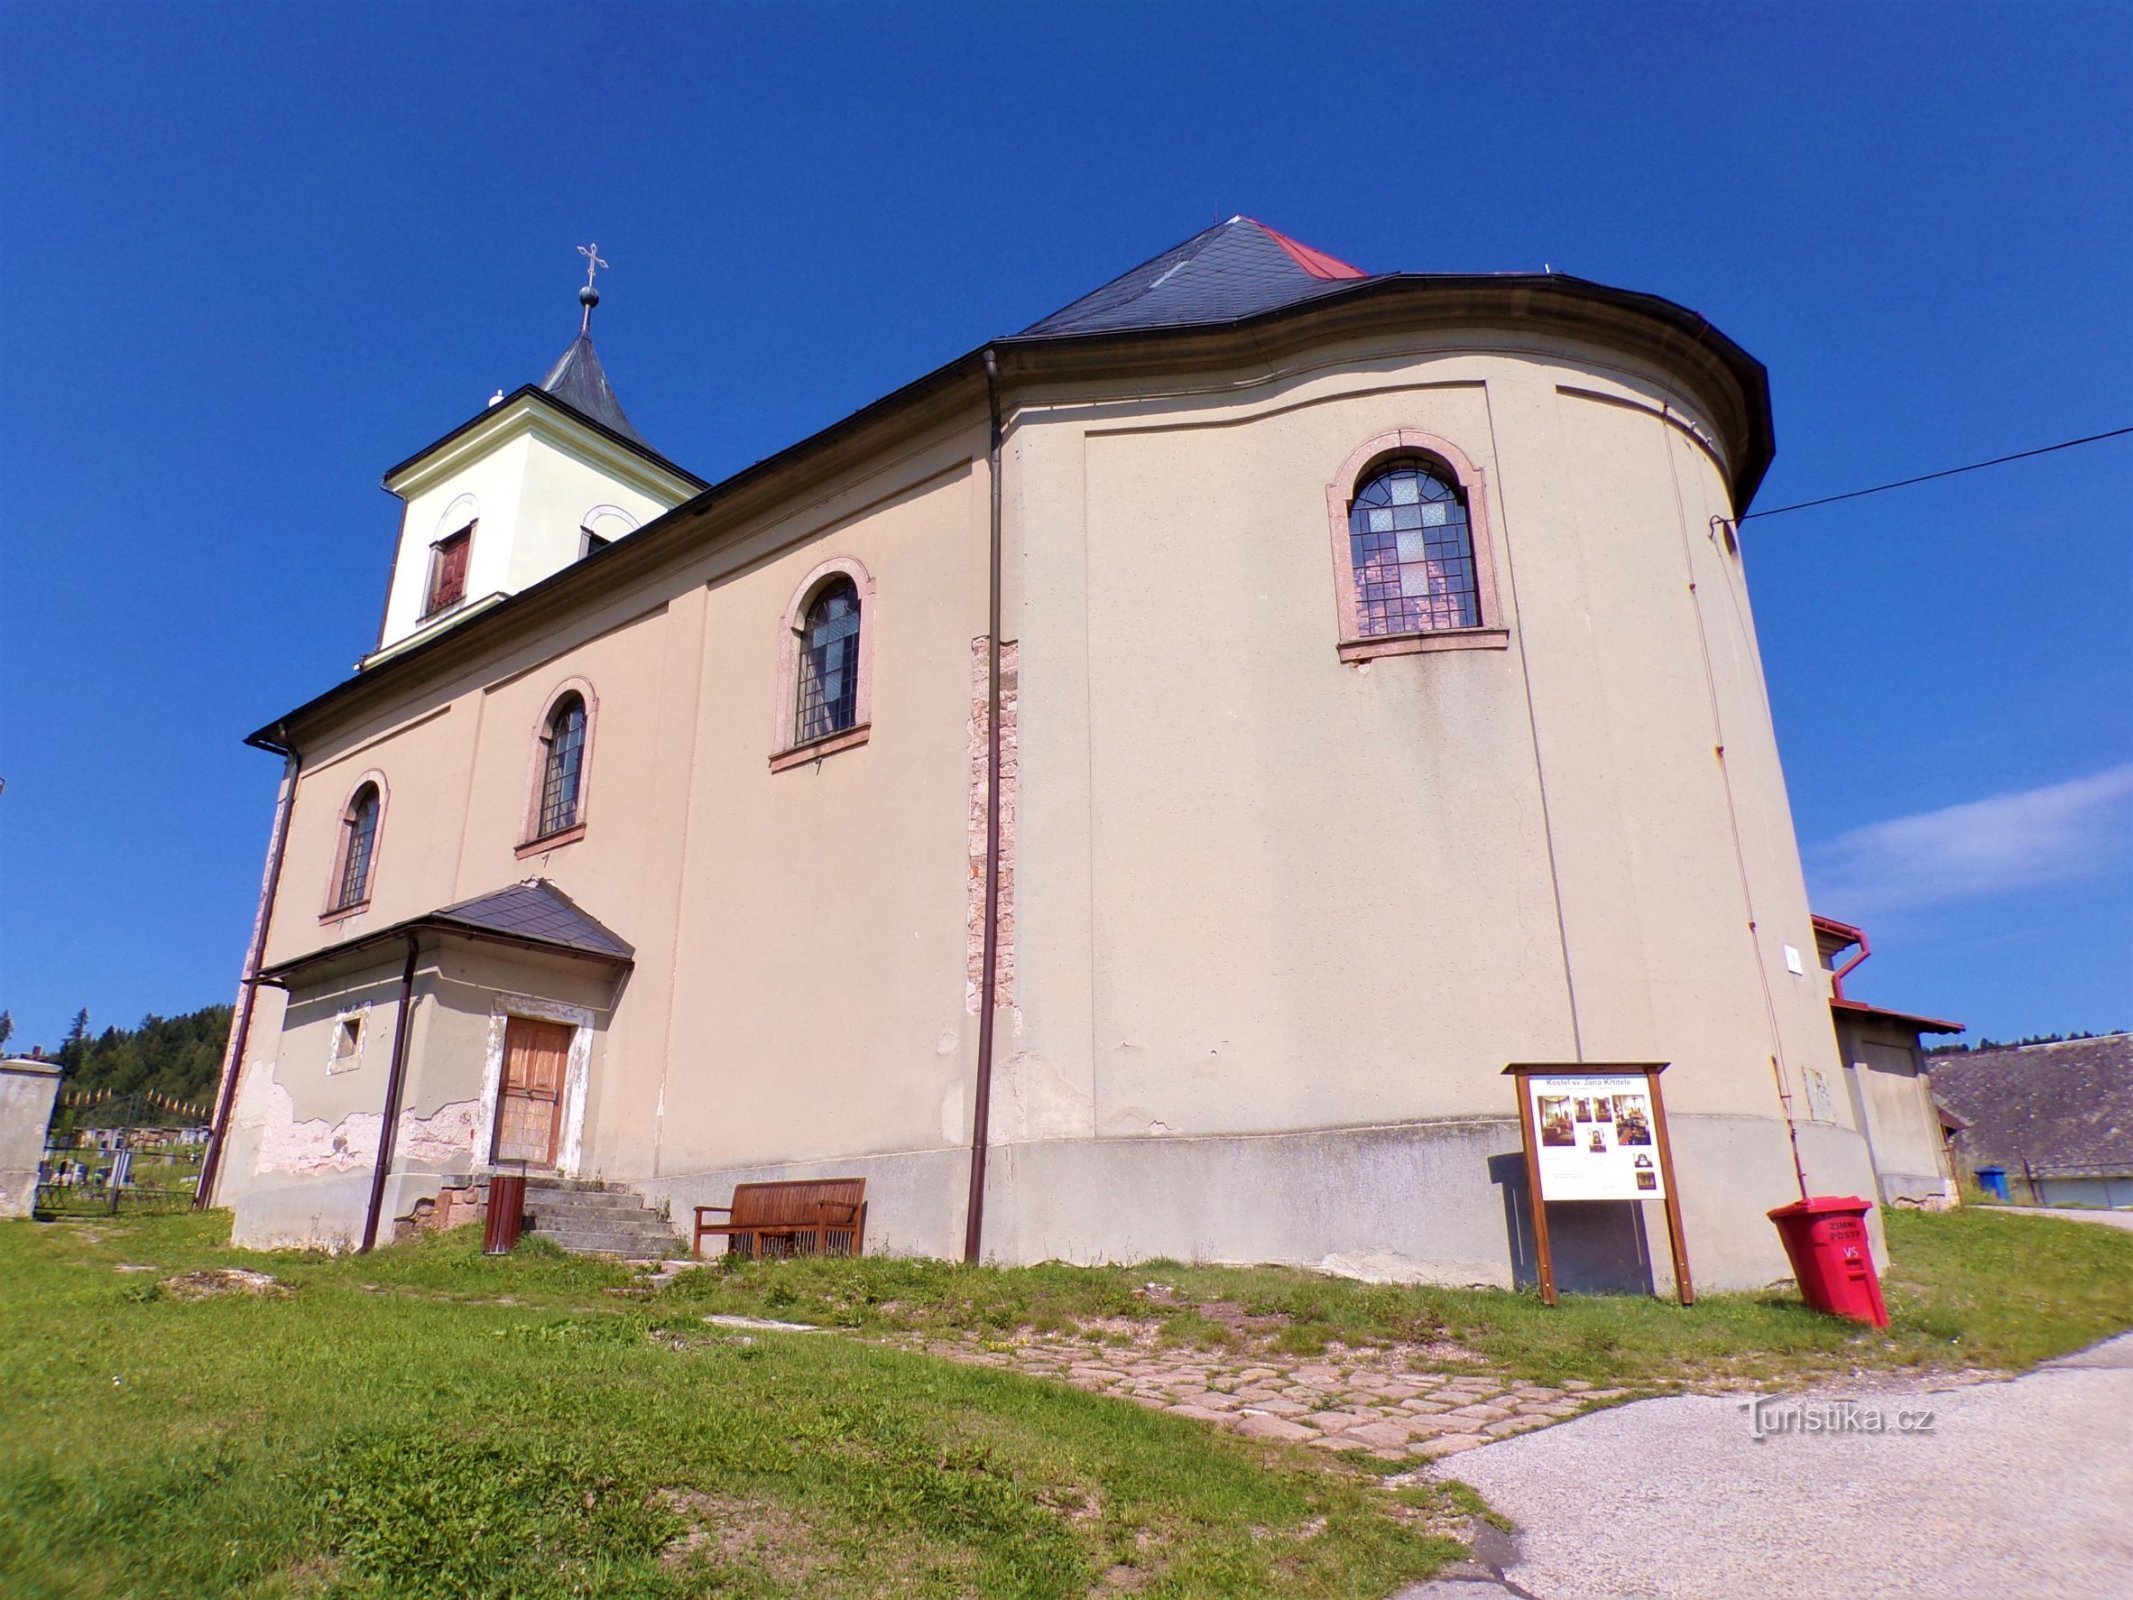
(175, 1057)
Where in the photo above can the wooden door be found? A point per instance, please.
(529, 1104)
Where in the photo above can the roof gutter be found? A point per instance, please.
(533, 391)
(988, 982)
(274, 975)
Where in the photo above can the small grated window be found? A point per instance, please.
(347, 1041)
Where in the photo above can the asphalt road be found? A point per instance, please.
(2021, 1490)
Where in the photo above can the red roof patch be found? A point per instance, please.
(1315, 262)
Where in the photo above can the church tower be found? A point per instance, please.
(544, 477)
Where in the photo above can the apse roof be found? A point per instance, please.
(1234, 269)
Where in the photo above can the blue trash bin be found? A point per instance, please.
(1994, 1182)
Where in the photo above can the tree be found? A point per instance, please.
(75, 1051)
(7, 1027)
(177, 1058)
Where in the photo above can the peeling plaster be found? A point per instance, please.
(314, 1145)
(445, 1135)
(1036, 1099)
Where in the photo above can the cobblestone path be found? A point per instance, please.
(1381, 1401)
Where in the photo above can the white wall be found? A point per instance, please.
(528, 478)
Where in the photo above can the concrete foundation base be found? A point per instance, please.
(1442, 1201)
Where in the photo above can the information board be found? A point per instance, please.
(1596, 1132)
(1593, 1138)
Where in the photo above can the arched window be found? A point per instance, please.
(562, 767)
(1413, 551)
(359, 839)
(828, 699)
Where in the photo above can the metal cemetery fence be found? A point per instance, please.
(105, 1154)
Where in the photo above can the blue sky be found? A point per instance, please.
(257, 253)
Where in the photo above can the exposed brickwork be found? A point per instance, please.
(454, 1207)
(1010, 763)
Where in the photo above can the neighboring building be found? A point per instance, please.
(1886, 1078)
(2056, 1119)
(1364, 671)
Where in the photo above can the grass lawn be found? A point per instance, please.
(424, 1421)
(1966, 1289)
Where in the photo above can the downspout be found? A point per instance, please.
(393, 1080)
(988, 982)
(248, 986)
(1837, 977)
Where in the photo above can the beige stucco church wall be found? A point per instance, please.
(1272, 905)
(1279, 920)
(747, 1028)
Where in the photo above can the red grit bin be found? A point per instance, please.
(1825, 1238)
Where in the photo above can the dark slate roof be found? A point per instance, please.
(2061, 1107)
(580, 382)
(1234, 269)
(538, 911)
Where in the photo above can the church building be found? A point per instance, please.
(1128, 793)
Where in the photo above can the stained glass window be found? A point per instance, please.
(1413, 553)
(562, 766)
(828, 701)
(358, 838)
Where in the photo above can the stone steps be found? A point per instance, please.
(598, 1219)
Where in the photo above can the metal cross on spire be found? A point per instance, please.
(588, 297)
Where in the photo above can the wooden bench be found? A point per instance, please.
(799, 1217)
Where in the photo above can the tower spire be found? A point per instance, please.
(588, 297)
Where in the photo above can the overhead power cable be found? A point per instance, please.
(1905, 483)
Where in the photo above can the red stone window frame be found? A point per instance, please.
(1493, 633)
(532, 841)
(337, 906)
(446, 584)
(784, 752)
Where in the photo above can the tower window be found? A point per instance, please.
(448, 570)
